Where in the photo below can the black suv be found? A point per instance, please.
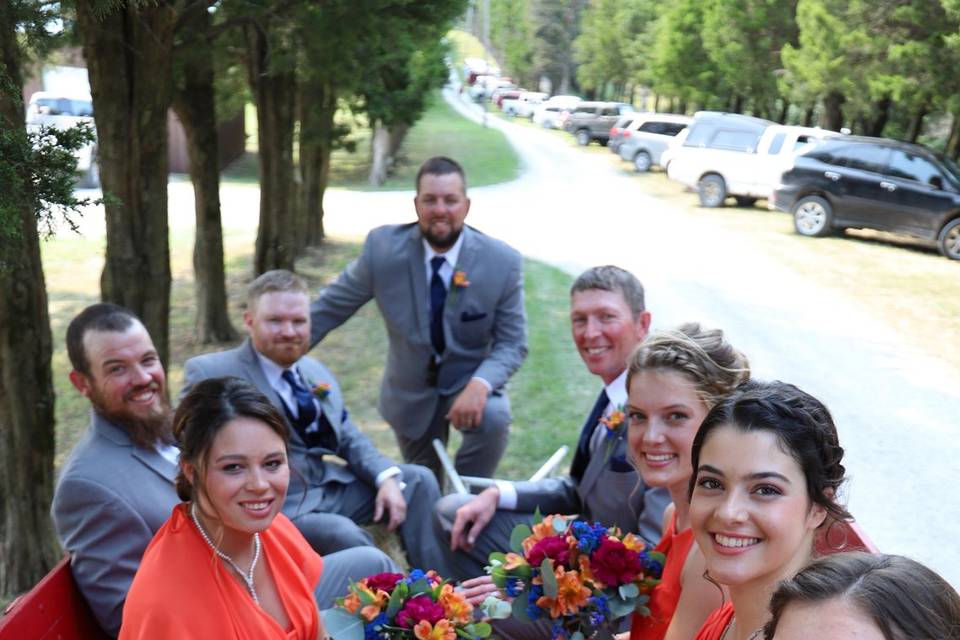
(874, 183)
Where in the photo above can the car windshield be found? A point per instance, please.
(67, 107)
(952, 168)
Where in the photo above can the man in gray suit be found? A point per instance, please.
(452, 301)
(608, 321)
(117, 488)
(327, 500)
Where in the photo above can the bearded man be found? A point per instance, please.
(117, 488)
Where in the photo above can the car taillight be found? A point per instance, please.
(626, 134)
(613, 132)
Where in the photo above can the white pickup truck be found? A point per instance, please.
(726, 154)
(48, 109)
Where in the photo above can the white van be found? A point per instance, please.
(59, 111)
(727, 154)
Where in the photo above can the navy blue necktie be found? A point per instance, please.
(582, 456)
(306, 408)
(438, 294)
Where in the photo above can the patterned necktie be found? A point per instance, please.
(438, 294)
(582, 455)
(306, 408)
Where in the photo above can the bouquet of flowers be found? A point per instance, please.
(393, 606)
(580, 577)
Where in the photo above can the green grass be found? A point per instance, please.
(484, 152)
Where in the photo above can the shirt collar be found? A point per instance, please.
(452, 254)
(617, 391)
(271, 370)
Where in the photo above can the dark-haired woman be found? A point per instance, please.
(767, 466)
(227, 564)
(867, 597)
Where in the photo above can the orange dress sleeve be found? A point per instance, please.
(183, 591)
(716, 623)
(665, 596)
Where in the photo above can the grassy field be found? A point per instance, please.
(485, 153)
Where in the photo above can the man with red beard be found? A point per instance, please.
(117, 488)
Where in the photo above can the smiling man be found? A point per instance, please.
(452, 301)
(328, 501)
(117, 488)
(608, 320)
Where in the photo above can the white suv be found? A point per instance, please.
(63, 112)
(726, 154)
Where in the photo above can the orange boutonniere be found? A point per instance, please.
(614, 421)
(321, 390)
(460, 280)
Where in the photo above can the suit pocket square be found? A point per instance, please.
(620, 464)
(466, 316)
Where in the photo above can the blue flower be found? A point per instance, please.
(371, 630)
(557, 631)
(533, 610)
(602, 609)
(588, 537)
(512, 587)
(415, 574)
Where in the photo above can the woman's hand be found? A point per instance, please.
(476, 590)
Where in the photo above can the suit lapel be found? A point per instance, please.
(418, 279)
(149, 457)
(254, 373)
(466, 262)
(311, 375)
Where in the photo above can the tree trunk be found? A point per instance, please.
(379, 154)
(398, 133)
(953, 142)
(128, 52)
(808, 116)
(832, 116)
(316, 144)
(875, 125)
(916, 123)
(784, 111)
(274, 93)
(656, 103)
(28, 544)
(194, 103)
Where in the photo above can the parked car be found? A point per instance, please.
(551, 113)
(649, 136)
(591, 121)
(727, 154)
(874, 183)
(524, 104)
(61, 111)
(504, 94)
(617, 132)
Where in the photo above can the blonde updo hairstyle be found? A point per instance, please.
(702, 356)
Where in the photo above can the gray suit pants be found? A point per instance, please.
(343, 567)
(482, 446)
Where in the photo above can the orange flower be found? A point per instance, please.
(571, 594)
(460, 280)
(634, 542)
(455, 606)
(443, 630)
(370, 611)
(351, 603)
(540, 531)
(513, 561)
(587, 574)
(614, 421)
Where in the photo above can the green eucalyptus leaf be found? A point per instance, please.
(549, 580)
(479, 629)
(559, 525)
(519, 606)
(628, 591)
(520, 533)
(578, 635)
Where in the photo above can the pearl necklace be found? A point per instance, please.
(247, 576)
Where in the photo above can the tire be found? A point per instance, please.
(712, 191)
(745, 201)
(642, 162)
(583, 137)
(813, 216)
(949, 240)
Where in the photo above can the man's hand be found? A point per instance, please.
(467, 410)
(390, 499)
(472, 518)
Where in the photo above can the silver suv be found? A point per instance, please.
(591, 121)
(648, 136)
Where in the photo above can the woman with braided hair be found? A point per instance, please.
(674, 378)
(767, 468)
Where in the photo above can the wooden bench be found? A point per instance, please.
(53, 610)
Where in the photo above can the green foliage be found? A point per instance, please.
(510, 37)
(680, 65)
(556, 25)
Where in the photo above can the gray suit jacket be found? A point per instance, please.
(610, 491)
(313, 470)
(111, 498)
(484, 323)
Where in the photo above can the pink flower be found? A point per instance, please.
(554, 547)
(384, 581)
(614, 564)
(417, 609)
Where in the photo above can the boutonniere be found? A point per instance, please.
(614, 422)
(321, 390)
(458, 282)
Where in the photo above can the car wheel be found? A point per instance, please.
(949, 240)
(712, 191)
(812, 216)
(642, 162)
(745, 201)
(583, 137)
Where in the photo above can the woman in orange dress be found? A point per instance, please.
(767, 467)
(674, 378)
(227, 564)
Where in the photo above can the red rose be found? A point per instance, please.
(384, 581)
(554, 547)
(417, 609)
(614, 564)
